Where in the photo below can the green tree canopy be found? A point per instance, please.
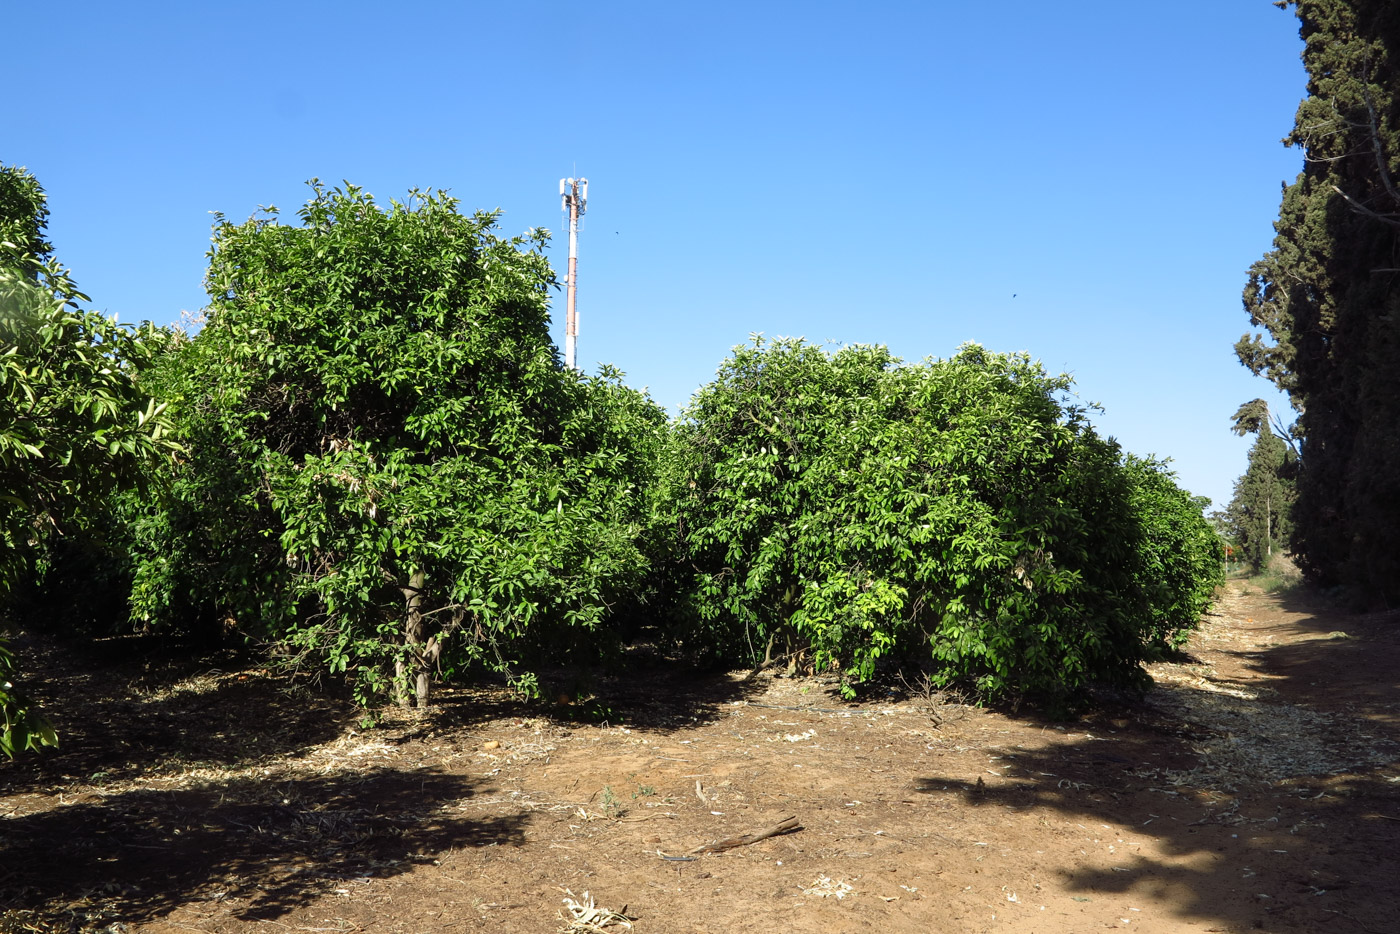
(75, 425)
(24, 215)
(389, 470)
(956, 510)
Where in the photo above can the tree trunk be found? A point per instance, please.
(428, 662)
(1269, 524)
(414, 660)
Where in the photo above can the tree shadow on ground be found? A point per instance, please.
(275, 845)
(1306, 851)
(127, 824)
(1272, 844)
(671, 698)
(650, 692)
(129, 707)
(1271, 812)
(1350, 665)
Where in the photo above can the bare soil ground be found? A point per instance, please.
(1256, 788)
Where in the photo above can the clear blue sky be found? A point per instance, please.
(1087, 181)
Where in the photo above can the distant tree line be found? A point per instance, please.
(1259, 518)
(370, 462)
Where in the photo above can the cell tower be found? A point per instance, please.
(573, 192)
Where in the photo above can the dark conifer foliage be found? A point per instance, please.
(1327, 296)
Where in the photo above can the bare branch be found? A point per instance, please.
(1358, 206)
(1381, 167)
(786, 825)
(1285, 434)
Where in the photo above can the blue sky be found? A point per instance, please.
(1087, 181)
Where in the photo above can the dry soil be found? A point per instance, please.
(1256, 788)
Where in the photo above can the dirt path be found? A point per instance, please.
(1258, 788)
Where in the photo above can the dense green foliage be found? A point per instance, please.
(24, 216)
(954, 512)
(1328, 296)
(1176, 563)
(388, 468)
(22, 727)
(75, 426)
(374, 462)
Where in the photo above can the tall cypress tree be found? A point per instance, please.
(1258, 515)
(1328, 292)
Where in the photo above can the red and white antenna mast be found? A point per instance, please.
(574, 194)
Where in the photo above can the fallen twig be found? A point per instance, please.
(798, 709)
(641, 817)
(786, 825)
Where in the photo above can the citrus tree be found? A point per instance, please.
(75, 423)
(958, 512)
(388, 468)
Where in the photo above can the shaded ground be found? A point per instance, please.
(1258, 788)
